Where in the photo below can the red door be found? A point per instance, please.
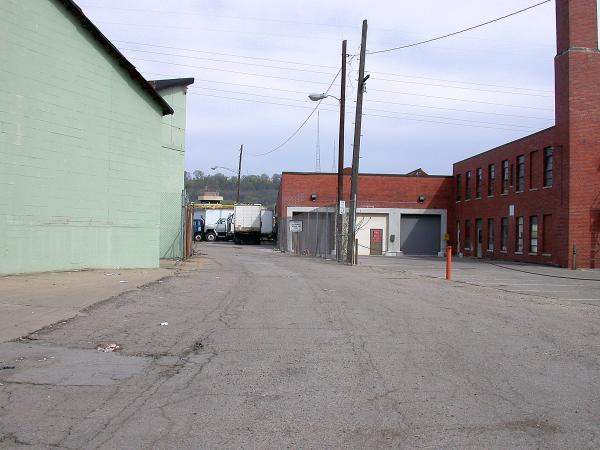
(376, 247)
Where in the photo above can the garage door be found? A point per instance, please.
(420, 234)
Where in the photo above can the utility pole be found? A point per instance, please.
(340, 191)
(356, 150)
(239, 173)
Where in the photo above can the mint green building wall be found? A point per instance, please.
(171, 174)
(80, 146)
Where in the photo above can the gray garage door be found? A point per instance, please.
(420, 234)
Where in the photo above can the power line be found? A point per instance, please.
(461, 100)
(414, 44)
(285, 61)
(460, 110)
(465, 88)
(368, 109)
(504, 128)
(302, 124)
(295, 69)
(227, 70)
(327, 73)
(460, 82)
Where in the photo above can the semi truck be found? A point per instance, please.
(246, 223)
(216, 224)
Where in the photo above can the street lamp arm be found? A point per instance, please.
(319, 97)
(221, 167)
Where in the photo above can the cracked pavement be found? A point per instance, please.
(269, 350)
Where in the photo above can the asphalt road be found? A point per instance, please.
(266, 350)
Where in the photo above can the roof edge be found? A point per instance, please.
(160, 85)
(78, 13)
(369, 174)
(505, 144)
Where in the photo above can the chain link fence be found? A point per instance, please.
(172, 225)
(318, 232)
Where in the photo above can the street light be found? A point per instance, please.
(340, 190)
(221, 167)
(323, 96)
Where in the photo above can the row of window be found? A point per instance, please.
(534, 235)
(507, 178)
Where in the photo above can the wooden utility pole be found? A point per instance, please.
(340, 191)
(356, 149)
(239, 173)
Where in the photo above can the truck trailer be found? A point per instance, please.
(246, 223)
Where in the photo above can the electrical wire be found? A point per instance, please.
(365, 114)
(285, 61)
(461, 100)
(244, 63)
(497, 19)
(302, 124)
(228, 71)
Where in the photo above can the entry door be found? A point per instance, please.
(376, 245)
(479, 234)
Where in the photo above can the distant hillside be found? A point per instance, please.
(254, 188)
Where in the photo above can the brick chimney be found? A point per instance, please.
(577, 139)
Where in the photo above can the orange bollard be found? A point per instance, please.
(449, 262)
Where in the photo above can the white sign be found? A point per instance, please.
(511, 210)
(342, 207)
(296, 226)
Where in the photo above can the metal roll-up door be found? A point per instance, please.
(420, 234)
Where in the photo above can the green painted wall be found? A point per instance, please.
(171, 174)
(80, 147)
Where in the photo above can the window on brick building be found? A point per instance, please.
(467, 234)
(548, 166)
(547, 234)
(478, 181)
(504, 234)
(533, 162)
(505, 177)
(468, 185)
(519, 235)
(458, 187)
(533, 234)
(520, 173)
(490, 244)
(491, 179)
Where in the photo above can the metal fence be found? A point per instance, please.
(319, 232)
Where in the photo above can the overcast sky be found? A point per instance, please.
(256, 61)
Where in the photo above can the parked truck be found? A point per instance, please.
(216, 224)
(266, 228)
(246, 223)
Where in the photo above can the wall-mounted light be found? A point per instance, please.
(421, 198)
(313, 197)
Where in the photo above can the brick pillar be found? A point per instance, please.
(577, 83)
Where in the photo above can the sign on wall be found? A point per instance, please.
(295, 226)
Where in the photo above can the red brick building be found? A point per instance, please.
(536, 199)
(385, 203)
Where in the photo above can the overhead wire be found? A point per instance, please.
(302, 124)
(286, 61)
(454, 33)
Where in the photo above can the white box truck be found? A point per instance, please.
(247, 223)
(266, 230)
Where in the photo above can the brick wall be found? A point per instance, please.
(375, 191)
(533, 200)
